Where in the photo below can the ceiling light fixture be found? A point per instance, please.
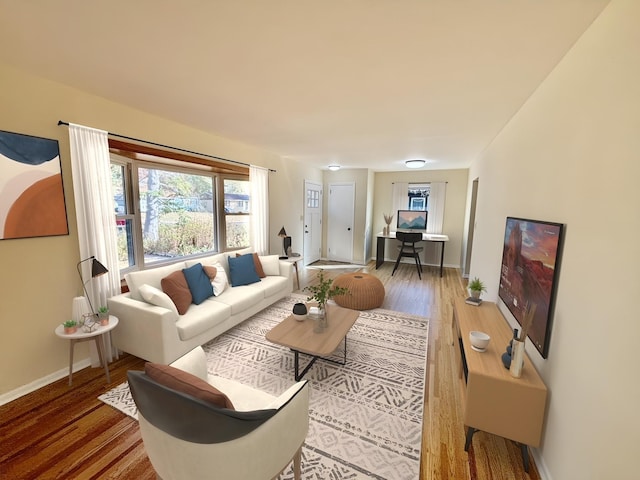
(416, 163)
(334, 168)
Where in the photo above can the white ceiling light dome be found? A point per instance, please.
(415, 163)
(334, 168)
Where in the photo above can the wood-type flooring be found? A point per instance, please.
(62, 432)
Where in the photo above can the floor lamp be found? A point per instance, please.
(97, 269)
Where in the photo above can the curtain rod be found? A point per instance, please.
(60, 122)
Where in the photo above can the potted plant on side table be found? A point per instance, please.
(70, 326)
(321, 293)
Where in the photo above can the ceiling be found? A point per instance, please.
(359, 83)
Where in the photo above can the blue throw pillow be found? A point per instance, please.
(242, 270)
(199, 283)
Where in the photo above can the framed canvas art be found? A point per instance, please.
(529, 273)
(31, 191)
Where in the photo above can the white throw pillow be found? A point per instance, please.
(220, 281)
(270, 264)
(157, 297)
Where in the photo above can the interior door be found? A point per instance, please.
(340, 221)
(312, 242)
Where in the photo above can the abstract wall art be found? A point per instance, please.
(31, 191)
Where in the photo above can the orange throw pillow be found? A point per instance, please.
(210, 270)
(188, 383)
(175, 285)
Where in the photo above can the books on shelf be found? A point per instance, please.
(473, 301)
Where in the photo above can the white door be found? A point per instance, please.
(312, 242)
(340, 221)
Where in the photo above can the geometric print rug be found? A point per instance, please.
(365, 417)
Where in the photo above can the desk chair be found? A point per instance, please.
(408, 249)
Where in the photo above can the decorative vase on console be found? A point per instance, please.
(388, 217)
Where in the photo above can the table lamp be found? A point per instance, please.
(97, 269)
(283, 234)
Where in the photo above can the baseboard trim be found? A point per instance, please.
(540, 465)
(42, 382)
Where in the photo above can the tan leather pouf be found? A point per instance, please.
(365, 291)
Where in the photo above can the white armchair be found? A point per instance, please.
(188, 438)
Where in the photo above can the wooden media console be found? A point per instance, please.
(493, 400)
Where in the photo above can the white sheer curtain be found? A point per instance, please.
(95, 212)
(259, 185)
(399, 199)
(435, 219)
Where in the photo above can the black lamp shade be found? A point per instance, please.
(97, 269)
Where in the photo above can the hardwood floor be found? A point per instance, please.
(62, 432)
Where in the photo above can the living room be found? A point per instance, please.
(568, 155)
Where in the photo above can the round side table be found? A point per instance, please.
(98, 335)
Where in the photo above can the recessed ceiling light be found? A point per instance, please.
(334, 168)
(416, 163)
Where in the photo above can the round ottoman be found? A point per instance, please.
(365, 291)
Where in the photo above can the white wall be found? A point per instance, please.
(571, 155)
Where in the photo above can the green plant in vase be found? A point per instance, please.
(322, 292)
(476, 287)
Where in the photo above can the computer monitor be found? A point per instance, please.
(412, 220)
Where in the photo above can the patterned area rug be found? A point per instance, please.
(365, 417)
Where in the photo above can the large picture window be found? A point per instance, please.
(165, 212)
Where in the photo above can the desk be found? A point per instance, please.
(426, 237)
(97, 335)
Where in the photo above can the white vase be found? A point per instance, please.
(79, 307)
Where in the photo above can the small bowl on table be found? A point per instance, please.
(479, 340)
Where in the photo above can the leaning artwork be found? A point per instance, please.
(31, 192)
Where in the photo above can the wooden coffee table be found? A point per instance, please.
(300, 337)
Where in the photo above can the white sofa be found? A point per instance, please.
(154, 331)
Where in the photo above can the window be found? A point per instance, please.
(167, 210)
(236, 212)
(124, 216)
(418, 196)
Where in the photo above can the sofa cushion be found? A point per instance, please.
(242, 298)
(220, 281)
(257, 263)
(270, 264)
(185, 382)
(175, 285)
(273, 284)
(242, 270)
(157, 297)
(199, 283)
(202, 318)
